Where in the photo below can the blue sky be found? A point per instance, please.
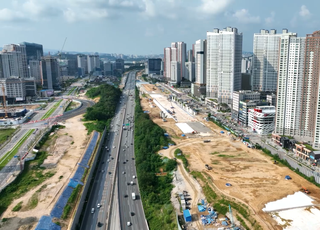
(146, 26)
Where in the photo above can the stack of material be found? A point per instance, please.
(209, 219)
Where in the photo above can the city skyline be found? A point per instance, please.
(152, 24)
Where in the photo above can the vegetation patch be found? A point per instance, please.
(155, 190)
(179, 155)
(33, 201)
(71, 202)
(101, 113)
(5, 134)
(71, 106)
(17, 207)
(225, 156)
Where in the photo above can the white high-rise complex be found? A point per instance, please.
(265, 63)
(224, 55)
(177, 54)
(291, 65)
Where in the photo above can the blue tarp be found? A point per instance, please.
(201, 208)
(287, 177)
(45, 223)
(228, 184)
(165, 147)
(224, 223)
(187, 215)
(183, 135)
(221, 132)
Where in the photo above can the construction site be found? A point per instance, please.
(246, 177)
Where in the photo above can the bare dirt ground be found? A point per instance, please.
(66, 150)
(255, 179)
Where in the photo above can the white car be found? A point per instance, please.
(134, 177)
(92, 210)
(98, 205)
(128, 223)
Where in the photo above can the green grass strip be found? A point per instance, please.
(5, 159)
(48, 114)
(71, 91)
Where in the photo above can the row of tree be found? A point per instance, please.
(155, 190)
(105, 109)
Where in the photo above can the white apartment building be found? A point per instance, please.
(174, 75)
(265, 61)
(224, 55)
(291, 65)
(167, 63)
(82, 63)
(189, 71)
(200, 61)
(261, 119)
(93, 62)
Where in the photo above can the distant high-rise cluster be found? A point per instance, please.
(284, 70)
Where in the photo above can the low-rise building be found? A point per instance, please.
(306, 152)
(261, 119)
(242, 95)
(244, 107)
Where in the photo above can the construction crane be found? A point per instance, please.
(231, 217)
(62, 47)
(4, 100)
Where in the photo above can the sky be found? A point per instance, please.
(145, 27)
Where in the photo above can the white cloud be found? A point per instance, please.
(243, 16)
(270, 20)
(7, 15)
(304, 12)
(162, 8)
(71, 10)
(213, 7)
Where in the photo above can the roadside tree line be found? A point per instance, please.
(155, 190)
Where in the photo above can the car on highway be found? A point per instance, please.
(134, 177)
(132, 213)
(102, 170)
(92, 210)
(98, 205)
(128, 223)
(131, 182)
(125, 196)
(124, 162)
(123, 172)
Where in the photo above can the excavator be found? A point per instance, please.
(305, 190)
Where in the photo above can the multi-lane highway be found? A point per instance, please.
(115, 171)
(131, 210)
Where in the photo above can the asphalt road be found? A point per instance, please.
(130, 210)
(119, 143)
(100, 192)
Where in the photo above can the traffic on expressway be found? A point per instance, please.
(116, 174)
